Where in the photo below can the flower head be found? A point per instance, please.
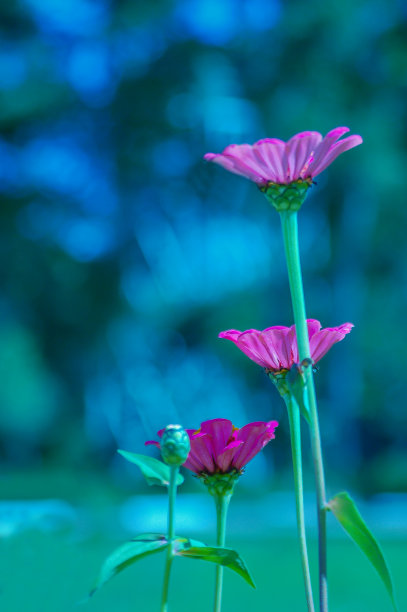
(218, 447)
(275, 348)
(272, 160)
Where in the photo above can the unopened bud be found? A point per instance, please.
(175, 445)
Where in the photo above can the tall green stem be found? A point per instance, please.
(295, 433)
(290, 234)
(222, 505)
(172, 492)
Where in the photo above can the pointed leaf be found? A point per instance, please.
(215, 554)
(344, 509)
(297, 386)
(129, 553)
(154, 471)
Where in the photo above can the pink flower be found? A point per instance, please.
(271, 160)
(275, 348)
(218, 447)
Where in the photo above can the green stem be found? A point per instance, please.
(290, 235)
(172, 492)
(295, 433)
(222, 504)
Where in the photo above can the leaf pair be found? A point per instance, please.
(150, 543)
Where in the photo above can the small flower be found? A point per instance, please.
(218, 447)
(272, 160)
(275, 348)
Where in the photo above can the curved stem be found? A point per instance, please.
(295, 433)
(222, 505)
(290, 235)
(172, 492)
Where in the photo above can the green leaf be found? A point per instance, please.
(129, 553)
(344, 509)
(154, 471)
(214, 554)
(297, 386)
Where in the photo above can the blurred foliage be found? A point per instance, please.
(123, 254)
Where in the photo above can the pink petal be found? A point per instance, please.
(248, 348)
(255, 436)
(201, 452)
(334, 151)
(313, 327)
(279, 341)
(299, 150)
(225, 459)
(153, 442)
(235, 166)
(219, 431)
(193, 464)
(322, 341)
(272, 152)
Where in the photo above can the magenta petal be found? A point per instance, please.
(219, 431)
(248, 345)
(322, 341)
(299, 150)
(225, 459)
(193, 464)
(255, 436)
(153, 442)
(279, 342)
(235, 166)
(334, 151)
(313, 327)
(255, 342)
(201, 452)
(272, 151)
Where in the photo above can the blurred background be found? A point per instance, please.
(123, 255)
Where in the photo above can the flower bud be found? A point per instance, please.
(175, 445)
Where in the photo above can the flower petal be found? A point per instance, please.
(255, 436)
(225, 459)
(322, 341)
(323, 148)
(201, 452)
(272, 152)
(234, 165)
(248, 345)
(334, 151)
(299, 150)
(219, 431)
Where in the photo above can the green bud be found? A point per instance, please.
(175, 445)
(286, 197)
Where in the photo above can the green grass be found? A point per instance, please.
(54, 572)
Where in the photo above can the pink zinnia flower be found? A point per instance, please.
(218, 447)
(303, 157)
(275, 348)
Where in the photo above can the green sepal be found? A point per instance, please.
(154, 471)
(286, 197)
(127, 554)
(344, 509)
(214, 554)
(297, 386)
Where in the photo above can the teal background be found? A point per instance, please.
(123, 255)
